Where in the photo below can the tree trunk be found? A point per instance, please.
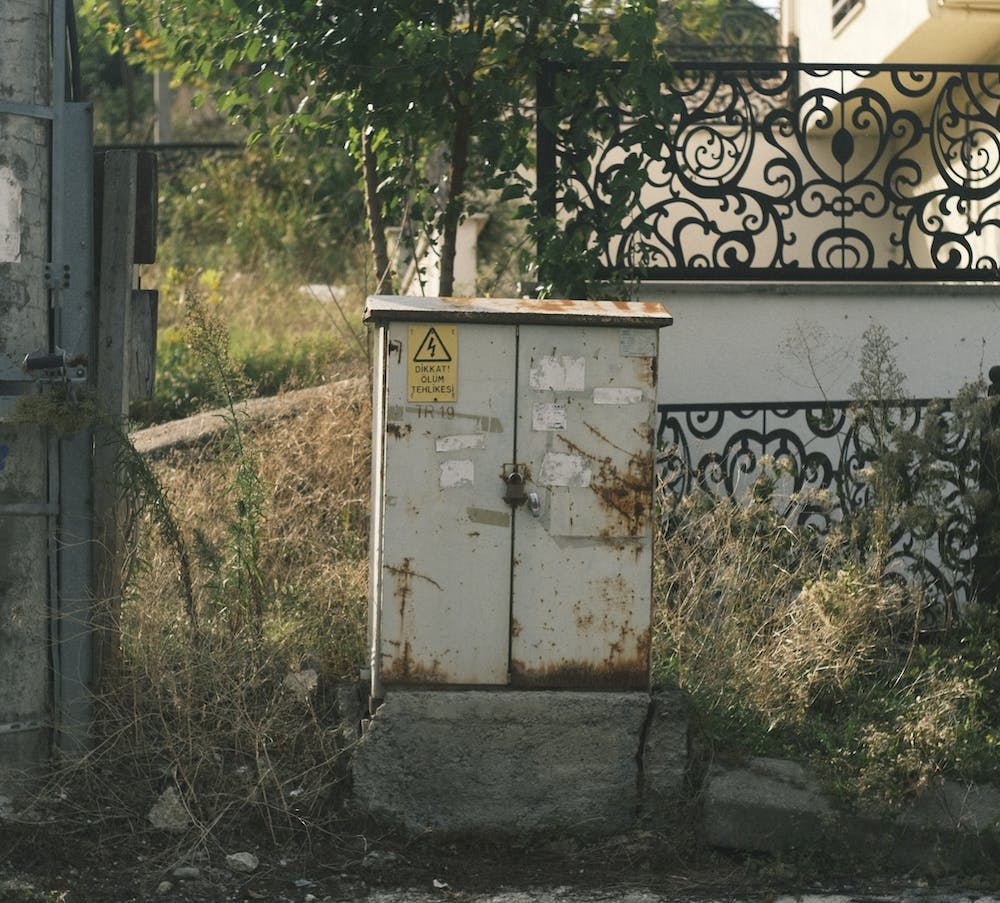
(456, 191)
(376, 225)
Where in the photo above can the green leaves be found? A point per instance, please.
(446, 88)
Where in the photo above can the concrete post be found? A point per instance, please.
(25, 514)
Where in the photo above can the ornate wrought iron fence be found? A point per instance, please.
(823, 454)
(796, 171)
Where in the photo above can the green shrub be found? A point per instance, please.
(298, 216)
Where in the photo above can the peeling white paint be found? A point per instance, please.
(617, 395)
(10, 217)
(564, 470)
(456, 473)
(460, 442)
(566, 374)
(548, 416)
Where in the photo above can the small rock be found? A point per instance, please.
(169, 812)
(302, 683)
(242, 862)
(164, 888)
(187, 873)
(376, 860)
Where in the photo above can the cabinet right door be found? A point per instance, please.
(582, 556)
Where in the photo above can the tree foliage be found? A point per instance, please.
(428, 95)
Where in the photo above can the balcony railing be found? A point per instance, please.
(795, 171)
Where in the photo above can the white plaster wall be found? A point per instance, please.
(868, 34)
(802, 342)
(914, 31)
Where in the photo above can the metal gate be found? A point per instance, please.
(46, 346)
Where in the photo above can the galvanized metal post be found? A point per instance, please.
(73, 238)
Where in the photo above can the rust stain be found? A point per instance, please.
(593, 429)
(403, 575)
(405, 670)
(615, 592)
(625, 493)
(584, 620)
(618, 671)
(645, 370)
(515, 627)
(402, 668)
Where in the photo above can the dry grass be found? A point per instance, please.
(227, 710)
(314, 466)
(756, 611)
(792, 645)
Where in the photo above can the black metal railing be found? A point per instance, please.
(822, 455)
(797, 171)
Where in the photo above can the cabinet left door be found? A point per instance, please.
(441, 566)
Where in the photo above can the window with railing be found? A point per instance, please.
(842, 8)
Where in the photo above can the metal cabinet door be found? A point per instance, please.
(581, 585)
(445, 530)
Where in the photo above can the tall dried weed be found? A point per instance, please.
(236, 706)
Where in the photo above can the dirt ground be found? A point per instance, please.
(74, 860)
(80, 862)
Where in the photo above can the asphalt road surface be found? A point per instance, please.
(571, 895)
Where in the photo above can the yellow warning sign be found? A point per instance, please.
(432, 374)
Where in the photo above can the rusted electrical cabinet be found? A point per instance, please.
(512, 492)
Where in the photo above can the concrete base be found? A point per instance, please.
(779, 807)
(765, 806)
(493, 761)
(665, 790)
(505, 761)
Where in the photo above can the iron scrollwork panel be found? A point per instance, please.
(796, 171)
(824, 456)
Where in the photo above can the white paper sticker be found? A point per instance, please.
(458, 443)
(616, 395)
(548, 416)
(564, 470)
(456, 473)
(565, 374)
(10, 217)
